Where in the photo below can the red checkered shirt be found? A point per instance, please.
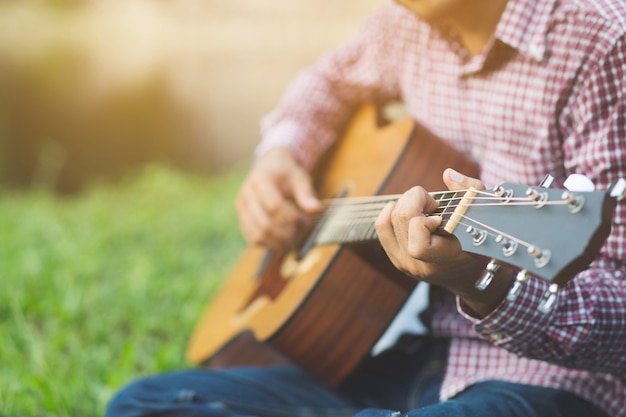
(547, 95)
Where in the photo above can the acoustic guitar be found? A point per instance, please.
(325, 303)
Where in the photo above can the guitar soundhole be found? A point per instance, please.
(277, 268)
(270, 281)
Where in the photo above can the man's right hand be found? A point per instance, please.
(276, 200)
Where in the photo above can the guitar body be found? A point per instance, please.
(326, 310)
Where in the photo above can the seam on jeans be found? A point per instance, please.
(289, 411)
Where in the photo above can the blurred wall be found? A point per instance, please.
(90, 88)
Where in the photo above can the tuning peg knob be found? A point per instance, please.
(549, 299)
(487, 275)
(520, 279)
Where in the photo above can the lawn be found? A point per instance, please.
(101, 288)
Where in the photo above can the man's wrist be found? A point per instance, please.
(483, 301)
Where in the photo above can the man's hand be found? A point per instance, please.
(407, 233)
(276, 200)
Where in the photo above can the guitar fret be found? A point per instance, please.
(354, 221)
(451, 200)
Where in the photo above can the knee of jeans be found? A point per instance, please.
(120, 404)
(131, 399)
(374, 412)
(153, 394)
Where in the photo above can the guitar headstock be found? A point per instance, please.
(551, 233)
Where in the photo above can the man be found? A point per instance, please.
(525, 87)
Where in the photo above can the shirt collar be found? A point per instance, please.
(524, 26)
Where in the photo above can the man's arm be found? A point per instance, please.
(587, 327)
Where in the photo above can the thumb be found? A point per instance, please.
(304, 193)
(456, 181)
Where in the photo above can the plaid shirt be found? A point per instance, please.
(547, 95)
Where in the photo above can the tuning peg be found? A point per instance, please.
(578, 182)
(618, 189)
(547, 181)
(549, 299)
(487, 275)
(574, 202)
(520, 279)
(478, 236)
(537, 197)
(509, 246)
(542, 256)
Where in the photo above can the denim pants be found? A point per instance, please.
(396, 383)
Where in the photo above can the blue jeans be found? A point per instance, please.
(402, 381)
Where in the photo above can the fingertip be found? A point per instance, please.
(384, 215)
(435, 221)
(454, 176)
(311, 204)
(455, 180)
(305, 196)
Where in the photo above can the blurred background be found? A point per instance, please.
(126, 127)
(92, 88)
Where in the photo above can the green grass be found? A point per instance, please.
(99, 289)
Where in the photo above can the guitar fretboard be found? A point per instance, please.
(350, 220)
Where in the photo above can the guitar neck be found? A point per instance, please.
(351, 220)
(550, 233)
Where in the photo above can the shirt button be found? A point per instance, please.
(477, 152)
(496, 337)
(536, 50)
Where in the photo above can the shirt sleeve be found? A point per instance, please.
(587, 327)
(320, 101)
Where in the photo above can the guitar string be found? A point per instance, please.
(357, 201)
(355, 205)
(369, 207)
(370, 213)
